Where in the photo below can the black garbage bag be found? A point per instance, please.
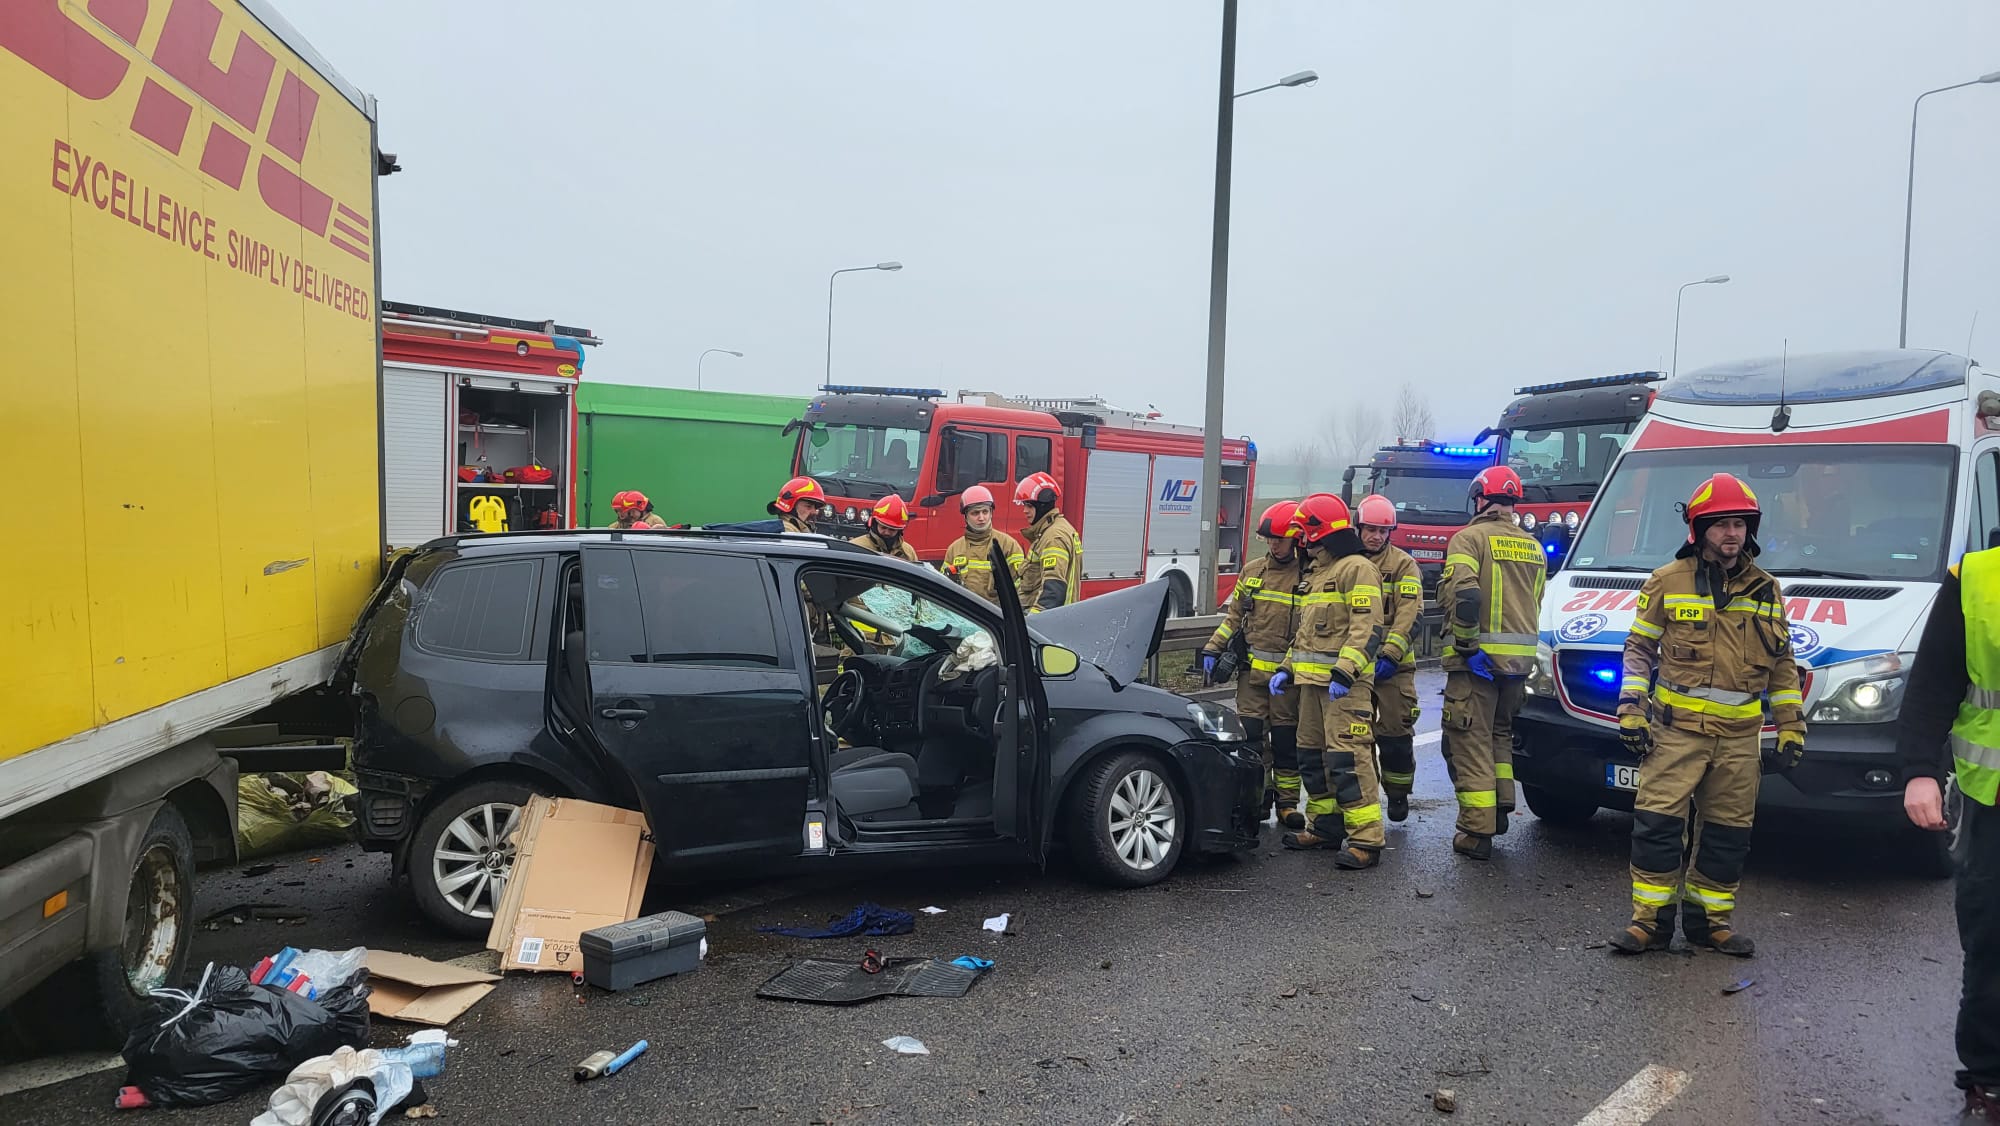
(229, 1036)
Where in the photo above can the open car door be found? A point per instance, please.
(1020, 758)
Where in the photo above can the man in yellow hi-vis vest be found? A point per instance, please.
(1950, 724)
(1491, 591)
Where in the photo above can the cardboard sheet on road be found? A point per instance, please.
(418, 990)
(577, 866)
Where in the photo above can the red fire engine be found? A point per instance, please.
(1131, 482)
(1562, 438)
(1428, 484)
(478, 422)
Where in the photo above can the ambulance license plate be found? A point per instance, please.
(1618, 776)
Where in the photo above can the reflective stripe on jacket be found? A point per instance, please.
(1340, 623)
(1264, 609)
(969, 561)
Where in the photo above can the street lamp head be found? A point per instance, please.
(1990, 78)
(731, 352)
(1309, 77)
(890, 266)
(1718, 279)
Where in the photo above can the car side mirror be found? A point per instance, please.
(1054, 660)
(931, 501)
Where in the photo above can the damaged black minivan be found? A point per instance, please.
(686, 674)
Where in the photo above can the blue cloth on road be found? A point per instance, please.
(972, 963)
(868, 919)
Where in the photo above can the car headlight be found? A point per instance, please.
(1869, 690)
(1527, 521)
(1542, 681)
(1217, 722)
(1571, 518)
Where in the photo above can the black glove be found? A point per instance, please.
(1788, 753)
(1636, 734)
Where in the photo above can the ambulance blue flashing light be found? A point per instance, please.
(858, 389)
(1628, 378)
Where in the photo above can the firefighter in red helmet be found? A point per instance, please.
(1262, 619)
(1054, 567)
(1709, 649)
(799, 503)
(1396, 665)
(887, 520)
(633, 510)
(1332, 662)
(1491, 591)
(969, 560)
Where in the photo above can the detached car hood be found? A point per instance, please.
(1116, 631)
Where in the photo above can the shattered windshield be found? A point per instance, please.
(925, 626)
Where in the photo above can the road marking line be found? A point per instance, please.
(1643, 1096)
(1427, 738)
(29, 1075)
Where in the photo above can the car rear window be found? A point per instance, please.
(481, 610)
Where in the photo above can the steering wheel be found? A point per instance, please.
(845, 703)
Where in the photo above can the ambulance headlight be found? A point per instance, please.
(1542, 681)
(1527, 521)
(1869, 690)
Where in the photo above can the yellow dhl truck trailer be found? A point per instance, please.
(188, 280)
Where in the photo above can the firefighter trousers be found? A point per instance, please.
(1395, 715)
(1276, 718)
(1479, 746)
(1337, 765)
(1718, 777)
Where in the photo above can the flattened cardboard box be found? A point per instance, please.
(418, 990)
(577, 866)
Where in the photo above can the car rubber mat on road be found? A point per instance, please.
(843, 983)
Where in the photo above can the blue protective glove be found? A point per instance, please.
(1337, 690)
(1384, 668)
(1208, 668)
(1480, 665)
(1278, 681)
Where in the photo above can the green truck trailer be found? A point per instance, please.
(702, 456)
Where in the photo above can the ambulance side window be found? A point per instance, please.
(1985, 502)
(1031, 455)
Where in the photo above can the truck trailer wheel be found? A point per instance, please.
(462, 854)
(1557, 809)
(95, 1001)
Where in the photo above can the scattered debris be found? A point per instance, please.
(427, 1110)
(1597, 944)
(287, 812)
(1289, 992)
(1739, 985)
(598, 1065)
(406, 987)
(228, 1036)
(578, 866)
(262, 912)
(623, 955)
(870, 919)
(1422, 894)
(1105, 964)
(1421, 996)
(259, 869)
(931, 910)
(1465, 1069)
(967, 961)
(997, 924)
(1445, 1100)
(1048, 1063)
(841, 983)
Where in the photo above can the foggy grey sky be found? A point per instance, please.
(1474, 196)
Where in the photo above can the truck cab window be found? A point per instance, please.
(1031, 455)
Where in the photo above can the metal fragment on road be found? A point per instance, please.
(1739, 985)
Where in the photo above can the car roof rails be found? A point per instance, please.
(619, 535)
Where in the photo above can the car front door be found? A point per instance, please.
(693, 692)
(1020, 759)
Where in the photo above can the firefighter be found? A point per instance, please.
(1708, 645)
(969, 560)
(1491, 589)
(1396, 665)
(1332, 659)
(887, 521)
(633, 510)
(1950, 728)
(799, 503)
(1263, 618)
(1054, 565)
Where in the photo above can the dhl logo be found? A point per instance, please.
(46, 35)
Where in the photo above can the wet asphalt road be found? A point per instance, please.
(1268, 988)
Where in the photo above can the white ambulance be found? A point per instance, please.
(1875, 472)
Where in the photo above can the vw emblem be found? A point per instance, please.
(1805, 641)
(1583, 627)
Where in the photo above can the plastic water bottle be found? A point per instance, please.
(425, 1060)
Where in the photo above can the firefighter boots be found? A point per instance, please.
(1473, 846)
(1639, 936)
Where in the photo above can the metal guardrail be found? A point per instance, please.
(1185, 635)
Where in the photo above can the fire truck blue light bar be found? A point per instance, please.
(857, 389)
(1600, 381)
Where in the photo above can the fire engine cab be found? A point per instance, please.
(1428, 483)
(1131, 483)
(1562, 438)
(478, 423)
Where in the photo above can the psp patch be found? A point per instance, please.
(1583, 627)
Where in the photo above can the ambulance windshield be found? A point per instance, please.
(1878, 512)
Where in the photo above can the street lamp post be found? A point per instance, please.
(1714, 279)
(704, 356)
(889, 266)
(1218, 307)
(1910, 198)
